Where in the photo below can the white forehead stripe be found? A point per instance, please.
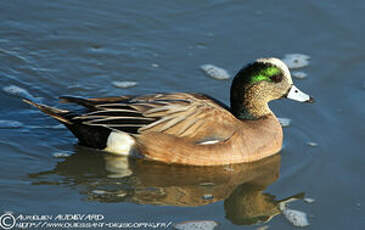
(278, 63)
(297, 95)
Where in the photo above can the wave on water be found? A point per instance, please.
(19, 92)
(295, 61)
(9, 124)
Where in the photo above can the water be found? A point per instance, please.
(52, 48)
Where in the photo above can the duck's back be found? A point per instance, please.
(183, 115)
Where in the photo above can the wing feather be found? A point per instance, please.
(100, 120)
(179, 114)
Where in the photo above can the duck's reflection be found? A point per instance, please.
(109, 178)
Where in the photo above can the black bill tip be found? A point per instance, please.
(310, 100)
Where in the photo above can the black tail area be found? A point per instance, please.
(91, 136)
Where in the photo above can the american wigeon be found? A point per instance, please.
(188, 128)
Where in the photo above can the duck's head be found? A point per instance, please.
(260, 82)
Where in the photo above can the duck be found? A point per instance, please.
(187, 128)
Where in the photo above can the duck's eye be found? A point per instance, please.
(276, 78)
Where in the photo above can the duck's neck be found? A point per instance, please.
(246, 104)
(248, 110)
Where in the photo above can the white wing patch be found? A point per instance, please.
(210, 142)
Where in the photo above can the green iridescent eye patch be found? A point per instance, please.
(265, 74)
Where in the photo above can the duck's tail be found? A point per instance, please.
(92, 136)
(58, 114)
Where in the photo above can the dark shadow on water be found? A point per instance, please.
(110, 178)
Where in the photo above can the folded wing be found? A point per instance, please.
(179, 114)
